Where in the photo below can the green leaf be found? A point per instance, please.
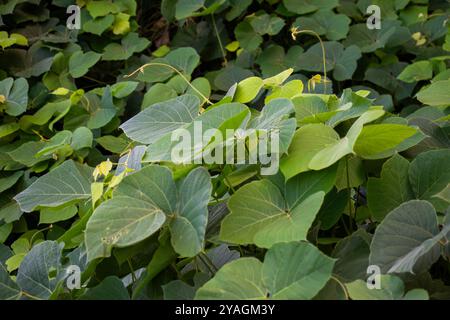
(307, 6)
(413, 227)
(113, 144)
(273, 60)
(58, 141)
(317, 146)
(154, 196)
(436, 94)
(325, 22)
(27, 63)
(10, 290)
(159, 92)
(306, 143)
(248, 89)
(8, 7)
(101, 112)
(260, 214)
(67, 182)
(429, 173)
(161, 51)
(189, 225)
(52, 215)
(237, 7)
(98, 25)
(240, 279)
(229, 76)
(202, 85)
(121, 23)
(131, 160)
(392, 288)
(414, 14)
(288, 90)
(247, 37)
(308, 108)
(176, 84)
(219, 118)
(55, 110)
(123, 89)
(10, 212)
(332, 208)
(346, 63)
(111, 288)
(157, 72)
(331, 153)
(135, 212)
(264, 23)
(81, 138)
(8, 128)
(370, 40)
(375, 140)
(274, 116)
(183, 59)
(5, 231)
(159, 120)
(13, 38)
(352, 254)
(25, 154)
(15, 96)
(444, 194)
(185, 9)
(41, 270)
(130, 44)
(350, 173)
(79, 63)
(278, 79)
(421, 70)
(342, 60)
(178, 290)
(162, 258)
(390, 190)
(100, 8)
(302, 186)
(7, 181)
(285, 274)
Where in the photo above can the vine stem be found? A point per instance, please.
(26, 294)
(207, 261)
(349, 196)
(295, 32)
(38, 231)
(141, 69)
(347, 296)
(228, 182)
(218, 39)
(133, 274)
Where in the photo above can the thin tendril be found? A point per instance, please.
(296, 32)
(347, 296)
(141, 69)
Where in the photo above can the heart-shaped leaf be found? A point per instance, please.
(414, 228)
(155, 198)
(290, 271)
(15, 96)
(68, 182)
(262, 214)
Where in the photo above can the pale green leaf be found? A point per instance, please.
(293, 271)
(66, 183)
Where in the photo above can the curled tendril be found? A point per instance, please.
(294, 32)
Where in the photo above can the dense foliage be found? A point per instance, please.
(87, 182)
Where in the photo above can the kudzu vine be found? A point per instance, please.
(134, 150)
